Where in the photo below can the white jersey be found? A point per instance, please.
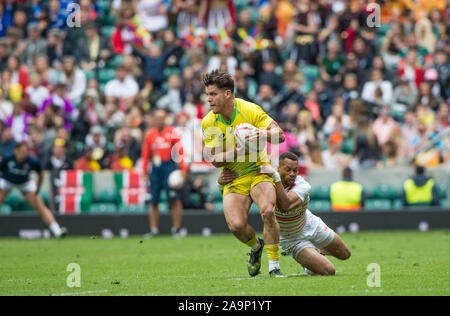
(299, 228)
(293, 221)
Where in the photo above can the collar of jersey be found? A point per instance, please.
(235, 111)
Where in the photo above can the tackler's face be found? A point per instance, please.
(288, 170)
(217, 98)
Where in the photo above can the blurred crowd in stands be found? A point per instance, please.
(79, 83)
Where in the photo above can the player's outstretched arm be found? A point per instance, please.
(285, 201)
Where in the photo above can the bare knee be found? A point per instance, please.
(268, 213)
(327, 270)
(344, 255)
(237, 227)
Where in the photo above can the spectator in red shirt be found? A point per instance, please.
(159, 144)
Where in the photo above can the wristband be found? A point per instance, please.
(276, 177)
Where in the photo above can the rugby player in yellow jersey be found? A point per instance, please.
(249, 186)
(302, 233)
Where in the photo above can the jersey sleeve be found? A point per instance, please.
(302, 188)
(259, 118)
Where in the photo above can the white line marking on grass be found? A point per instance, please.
(81, 293)
(266, 277)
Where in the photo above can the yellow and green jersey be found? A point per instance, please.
(219, 133)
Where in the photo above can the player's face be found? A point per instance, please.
(217, 98)
(288, 170)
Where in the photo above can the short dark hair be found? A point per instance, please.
(221, 80)
(20, 144)
(420, 170)
(288, 155)
(347, 173)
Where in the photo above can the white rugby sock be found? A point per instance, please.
(154, 230)
(55, 229)
(274, 265)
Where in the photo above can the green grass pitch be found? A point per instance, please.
(411, 263)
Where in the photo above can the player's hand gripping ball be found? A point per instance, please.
(250, 138)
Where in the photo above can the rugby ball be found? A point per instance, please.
(176, 180)
(242, 131)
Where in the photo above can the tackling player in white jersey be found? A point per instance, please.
(302, 234)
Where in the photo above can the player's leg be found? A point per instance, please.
(154, 218)
(315, 262)
(236, 207)
(177, 215)
(337, 248)
(176, 206)
(155, 191)
(36, 202)
(264, 196)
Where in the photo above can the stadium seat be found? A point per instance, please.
(444, 203)
(106, 75)
(218, 207)
(398, 114)
(104, 6)
(5, 209)
(384, 191)
(252, 88)
(108, 31)
(132, 208)
(116, 61)
(347, 146)
(89, 75)
(164, 207)
(195, 198)
(378, 205)
(254, 209)
(169, 71)
(442, 191)
(211, 46)
(102, 208)
(163, 196)
(217, 196)
(321, 192)
(101, 87)
(106, 196)
(25, 206)
(107, 20)
(240, 4)
(311, 72)
(13, 200)
(383, 29)
(319, 206)
(397, 204)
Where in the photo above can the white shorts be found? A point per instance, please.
(315, 234)
(29, 186)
